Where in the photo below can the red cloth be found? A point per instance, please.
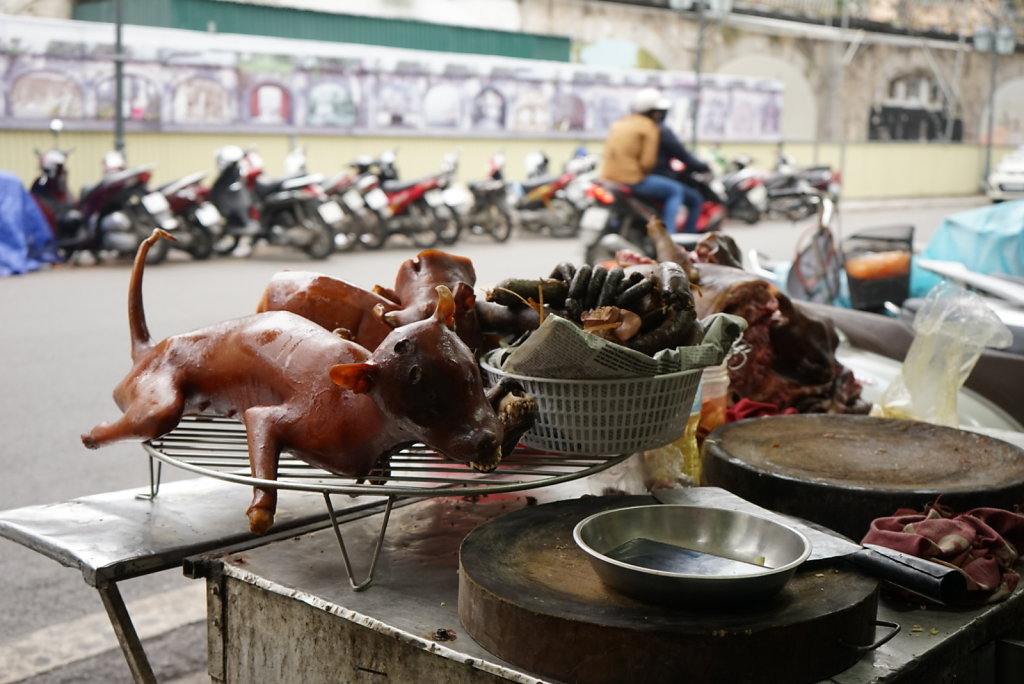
(748, 408)
(983, 543)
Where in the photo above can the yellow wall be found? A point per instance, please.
(870, 170)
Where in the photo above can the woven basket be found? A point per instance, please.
(598, 417)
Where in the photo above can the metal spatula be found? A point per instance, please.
(656, 555)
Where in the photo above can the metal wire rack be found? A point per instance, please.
(217, 447)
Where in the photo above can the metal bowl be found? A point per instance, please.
(691, 555)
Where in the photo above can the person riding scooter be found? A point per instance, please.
(669, 149)
(631, 153)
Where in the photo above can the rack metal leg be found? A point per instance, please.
(131, 646)
(154, 480)
(360, 586)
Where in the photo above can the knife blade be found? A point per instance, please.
(934, 581)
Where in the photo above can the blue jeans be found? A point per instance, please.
(673, 195)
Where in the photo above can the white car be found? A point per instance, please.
(1006, 182)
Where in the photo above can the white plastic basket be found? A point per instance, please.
(598, 417)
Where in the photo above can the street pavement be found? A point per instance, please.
(64, 345)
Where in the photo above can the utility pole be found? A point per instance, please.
(697, 59)
(118, 78)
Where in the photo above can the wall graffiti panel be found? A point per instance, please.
(186, 80)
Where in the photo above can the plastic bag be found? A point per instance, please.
(951, 329)
(643, 472)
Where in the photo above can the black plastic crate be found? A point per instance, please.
(877, 263)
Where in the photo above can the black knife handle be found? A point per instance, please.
(932, 580)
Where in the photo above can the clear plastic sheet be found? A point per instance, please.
(951, 329)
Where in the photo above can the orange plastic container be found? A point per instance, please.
(879, 265)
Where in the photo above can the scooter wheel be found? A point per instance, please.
(425, 225)
(201, 247)
(322, 244)
(225, 245)
(374, 233)
(345, 241)
(566, 220)
(449, 226)
(499, 223)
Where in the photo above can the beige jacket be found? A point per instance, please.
(630, 149)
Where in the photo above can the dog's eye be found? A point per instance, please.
(404, 347)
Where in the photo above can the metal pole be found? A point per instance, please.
(991, 113)
(118, 79)
(696, 69)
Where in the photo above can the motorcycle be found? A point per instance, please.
(551, 202)
(415, 209)
(111, 217)
(618, 218)
(199, 221)
(291, 211)
(489, 212)
(789, 195)
(746, 197)
(360, 224)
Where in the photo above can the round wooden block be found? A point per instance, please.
(843, 471)
(529, 595)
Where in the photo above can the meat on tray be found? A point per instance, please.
(299, 387)
(790, 357)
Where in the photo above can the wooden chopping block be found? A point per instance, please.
(843, 471)
(528, 594)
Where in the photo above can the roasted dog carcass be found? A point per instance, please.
(790, 353)
(300, 388)
(367, 317)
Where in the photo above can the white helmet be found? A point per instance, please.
(650, 99)
(228, 155)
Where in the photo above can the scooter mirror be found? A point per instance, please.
(450, 161)
(113, 161)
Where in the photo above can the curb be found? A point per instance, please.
(965, 202)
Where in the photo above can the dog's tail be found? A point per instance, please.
(141, 339)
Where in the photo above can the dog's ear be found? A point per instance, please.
(386, 316)
(355, 377)
(445, 311)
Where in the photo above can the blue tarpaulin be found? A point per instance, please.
(988, 240)
(26, 242)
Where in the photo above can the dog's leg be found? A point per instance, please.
(263, 425)
(153, 412)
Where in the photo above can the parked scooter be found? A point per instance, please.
(789, 195)
(291, 211)
(417, 208)
(489, 212)
(360, 224)
(746, 198)
(545, 202)
(618, 218)
(200, 224)
(111, 217)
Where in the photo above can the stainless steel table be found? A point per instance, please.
(119, 535)
(284, 612)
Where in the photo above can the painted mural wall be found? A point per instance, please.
(194, 81)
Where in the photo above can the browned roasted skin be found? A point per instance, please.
(791, 359)
(665, 249)
(369, 316)
(300, 388)
(716, 248)
(329, 302)
(416, 288)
